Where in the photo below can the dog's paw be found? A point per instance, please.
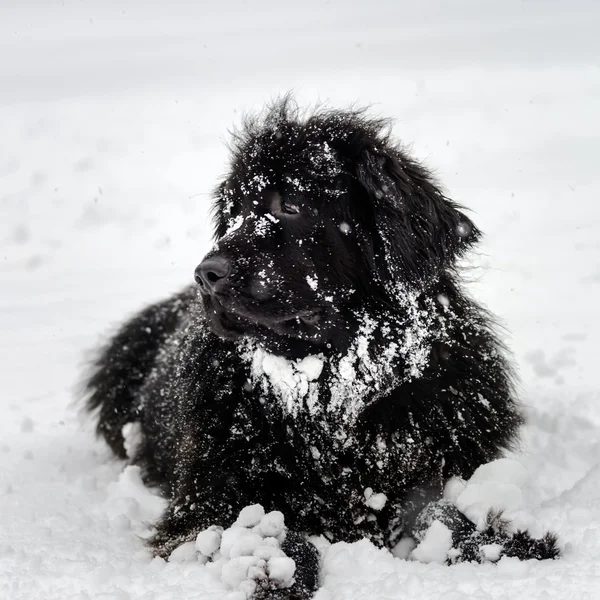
(256, 557)
(248, 557)
(445, 535)
(482, 520)
(523, 546)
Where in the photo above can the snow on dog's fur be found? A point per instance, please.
(328, 364)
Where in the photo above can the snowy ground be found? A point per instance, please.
(112, 116)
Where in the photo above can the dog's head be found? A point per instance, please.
(319, 217)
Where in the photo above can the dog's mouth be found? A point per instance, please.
(232, 321)
(227, 324)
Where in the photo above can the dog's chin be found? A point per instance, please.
(226, 325)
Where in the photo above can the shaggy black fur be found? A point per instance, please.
(331, 243)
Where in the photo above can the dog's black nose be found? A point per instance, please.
(211, 272)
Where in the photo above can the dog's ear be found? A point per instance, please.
(420, 231)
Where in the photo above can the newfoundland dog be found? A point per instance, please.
(327, 363)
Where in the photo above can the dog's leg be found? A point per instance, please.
(492, 542)
(182, 522)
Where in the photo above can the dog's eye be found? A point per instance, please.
(280, 206)
(289, 208)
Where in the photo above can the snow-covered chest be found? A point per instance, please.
(293, 383)
(328, 392)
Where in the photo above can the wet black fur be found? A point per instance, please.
(215, 441)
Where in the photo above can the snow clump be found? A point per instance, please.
(374, 501)
(246, 555)
(435, 545)
(132, 438)
(495, 486)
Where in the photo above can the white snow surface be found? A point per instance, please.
(112, 119)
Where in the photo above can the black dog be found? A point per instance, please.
(328, 352)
